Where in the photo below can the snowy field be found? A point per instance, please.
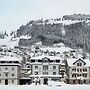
(43, 87)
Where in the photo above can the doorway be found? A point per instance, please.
(45, 81)
(6, 81)
(79, 81)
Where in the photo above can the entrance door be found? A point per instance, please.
(45, 81)
(6, 81)
(79, 81)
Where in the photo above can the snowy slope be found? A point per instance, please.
(10, 41)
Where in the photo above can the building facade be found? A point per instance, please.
(47, 68)
(79, 71)
(9, 70)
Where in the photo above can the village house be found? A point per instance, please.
(9, 70)
(78, 71)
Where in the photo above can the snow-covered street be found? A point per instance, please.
(43, 87)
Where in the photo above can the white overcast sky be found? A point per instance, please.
(14, 13)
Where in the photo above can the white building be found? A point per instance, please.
(46, 68)
(78, 71)
(9, 70)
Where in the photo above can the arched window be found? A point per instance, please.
(45, 60)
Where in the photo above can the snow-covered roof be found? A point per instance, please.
(72, 60)
(10, 58)
(57, 49)
(49, 57)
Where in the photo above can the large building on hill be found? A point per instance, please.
(47, 68)
(9, 70)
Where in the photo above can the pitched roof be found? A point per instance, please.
(79, 60)
(71, 61)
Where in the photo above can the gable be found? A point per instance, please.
(79, 60)
(45, 59)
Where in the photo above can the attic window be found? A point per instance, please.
(32, 61)
(45, 60)
(39, 60)
(58, 61)
(15, 61)
(79, 64)
(2, 61)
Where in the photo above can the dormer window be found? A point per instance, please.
(45, 60)
(79, 64)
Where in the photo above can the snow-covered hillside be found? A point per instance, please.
(11, 41)
(58, 21)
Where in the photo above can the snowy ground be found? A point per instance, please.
(43, 87)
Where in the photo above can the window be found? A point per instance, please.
(80, 64)
(80, 70)
(73, 75)
(54, 67)
(45, 73)
(85, 70)
(77, 75)
(73, 81)
(36, 67)
(54, 73)
(6, 74)
(12, 68)
(77, 70)
(84, 81)
(74, 69)
(45, 60)
(84, 75)
(12, 81)
(12, 74)
(36, 73)
(6, 68)
(77, 64)
(0, 74)
(0, 81)
(45, 67)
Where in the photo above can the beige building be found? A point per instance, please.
(9, 70)
(78, 71)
